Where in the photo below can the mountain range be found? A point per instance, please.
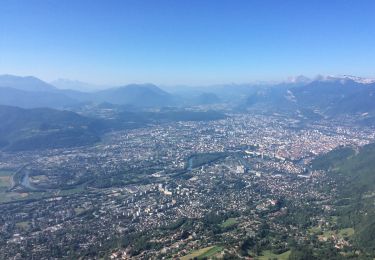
(30, 92)
(328, 95)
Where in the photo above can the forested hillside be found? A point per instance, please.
(355, 172)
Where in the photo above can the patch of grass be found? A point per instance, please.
(77, 189)
(342, 233)
(228, 223)
(6, 173)
(5, 182)
(79, 210)
(213, 251)
(22, 224)
(203, 253)
(314, 230)
(328, 234)
(38, 178)
(267, 254)
(334, 219)
(346, 232)
(11, 196)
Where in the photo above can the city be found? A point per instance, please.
(244, 172)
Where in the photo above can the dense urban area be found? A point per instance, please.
(238, 187)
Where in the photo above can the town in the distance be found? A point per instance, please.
(252, 171)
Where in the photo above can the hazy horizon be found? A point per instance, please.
(64, 83)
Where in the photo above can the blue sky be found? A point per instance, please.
(186, 42)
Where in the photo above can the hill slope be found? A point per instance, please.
(31, 92)
(355, 173)
(28, 83)
(30, 129)
(33, 99)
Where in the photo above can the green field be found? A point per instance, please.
(342, 233)
(200, 159)
(315, 230)
(213, 251)
(23, 224)
(6, 173)
(346, 232)
(10, 196)
(229, 222)
(76, 189)
(202, 253)
(327, 234)
(267, 254)
(79, 210)
(5, 179)
(5, 182)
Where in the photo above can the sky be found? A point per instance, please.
(190, 42)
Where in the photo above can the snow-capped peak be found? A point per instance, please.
(344, 78)
(358, 79)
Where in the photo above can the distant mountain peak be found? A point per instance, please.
(344, 79)
(136, 94)
(27, 83)
(357, 79)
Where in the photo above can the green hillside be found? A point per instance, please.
(31, 129)
(355, 173)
